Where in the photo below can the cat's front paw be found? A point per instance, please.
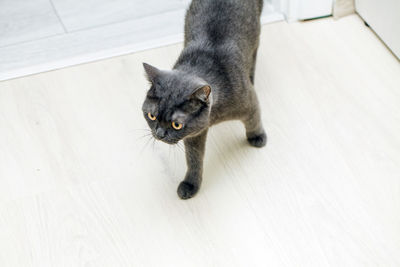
(187, 190)
(258, 140)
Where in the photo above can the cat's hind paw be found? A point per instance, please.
(258, 140)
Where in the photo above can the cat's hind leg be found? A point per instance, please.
(255, 132)
(253, 67)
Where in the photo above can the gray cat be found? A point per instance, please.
(212, 81)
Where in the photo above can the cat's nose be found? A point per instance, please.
(160, 133)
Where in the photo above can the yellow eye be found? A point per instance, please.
(177, 126)
(151, 116)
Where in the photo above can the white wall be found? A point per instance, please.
(384, 18)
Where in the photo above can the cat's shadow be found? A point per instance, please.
(227, 150)
(227, 153)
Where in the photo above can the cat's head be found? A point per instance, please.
(177, 104)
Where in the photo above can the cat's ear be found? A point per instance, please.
(202, 93)
(151, 72)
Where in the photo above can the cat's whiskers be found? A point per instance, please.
(141, 129)
(143, 136)
(154, 142)
(146, 134)
(174, 159)
(150, 137)
(179, 146)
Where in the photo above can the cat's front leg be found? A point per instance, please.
(194, 150)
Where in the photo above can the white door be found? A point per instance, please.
(304, 9)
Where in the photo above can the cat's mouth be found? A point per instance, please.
(166, 140)
(169, 142)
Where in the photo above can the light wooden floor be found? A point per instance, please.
(80, 187)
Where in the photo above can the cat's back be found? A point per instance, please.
(220, 21)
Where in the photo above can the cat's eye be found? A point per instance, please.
(151, 116)
(176, 125)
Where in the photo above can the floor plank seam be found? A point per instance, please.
(58, 16)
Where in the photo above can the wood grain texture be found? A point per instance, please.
(22, 21)
(81, 186)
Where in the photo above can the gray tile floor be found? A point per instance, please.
(22, 21)
(42, 35)
(78, 15)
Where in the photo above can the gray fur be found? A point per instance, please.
(221, 41)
